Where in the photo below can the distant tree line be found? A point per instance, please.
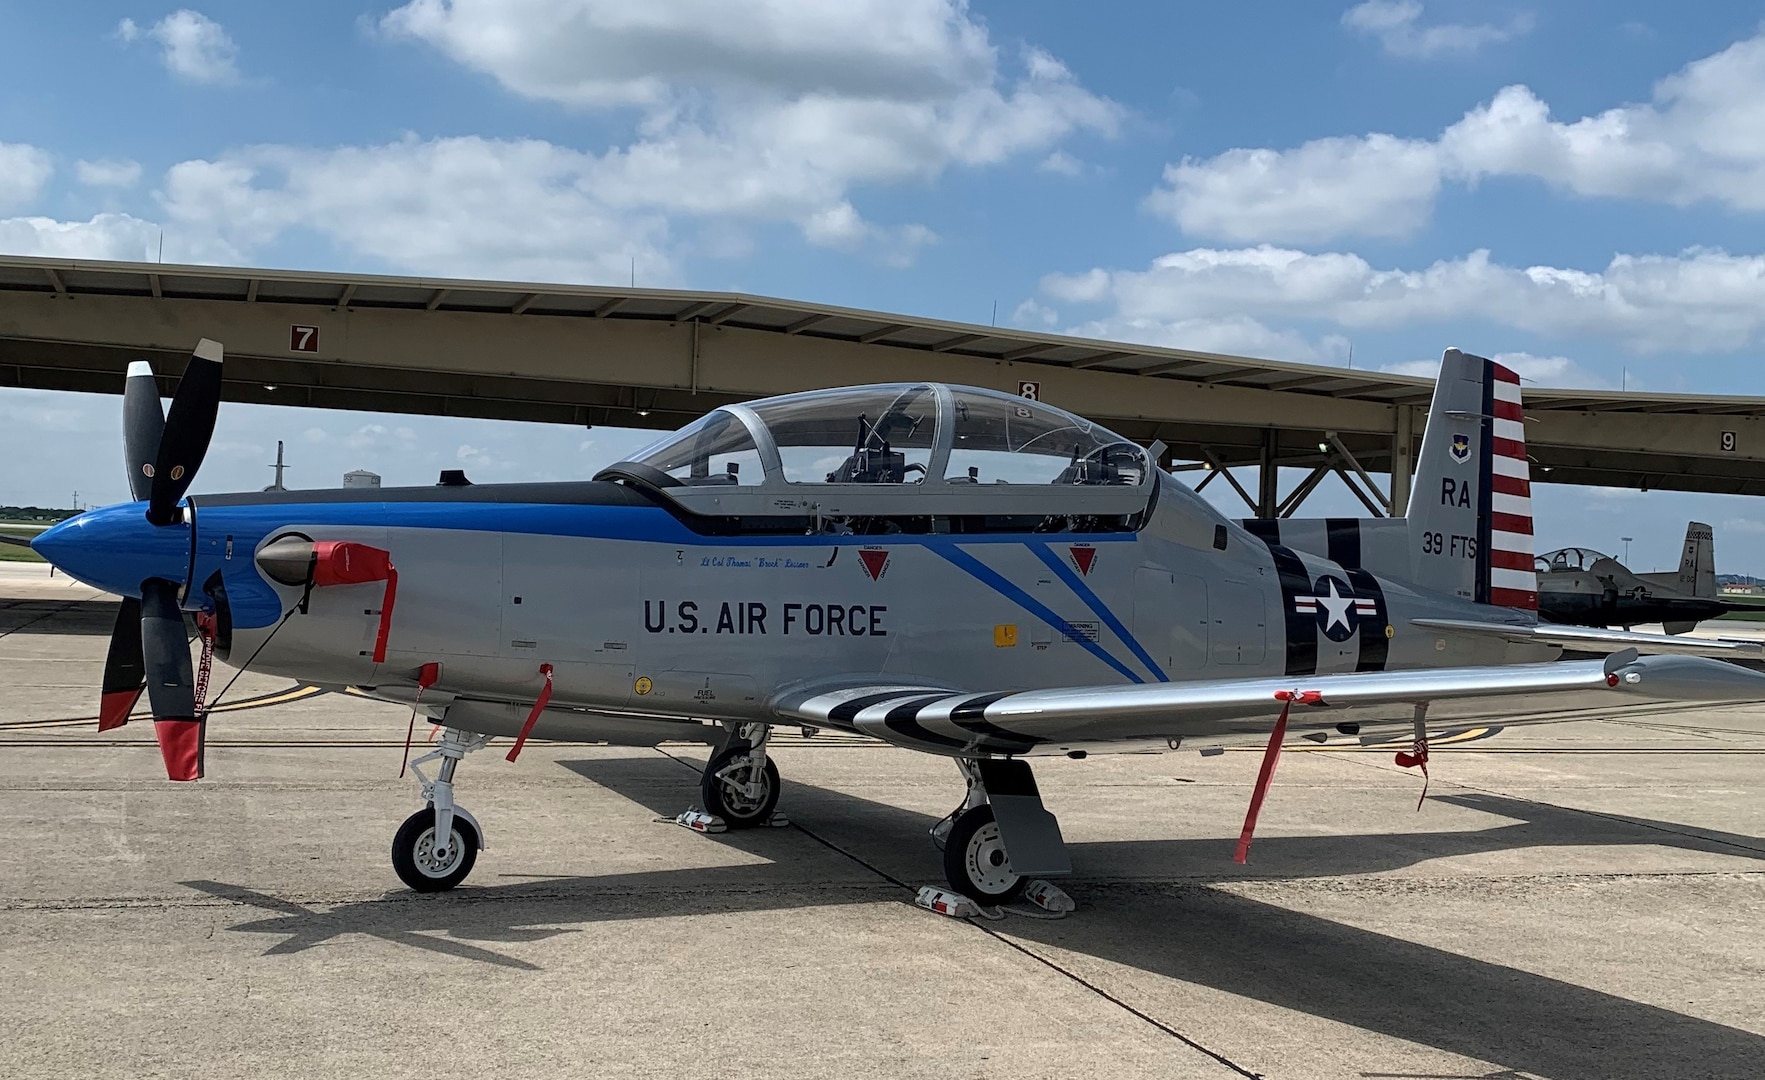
(35, 514)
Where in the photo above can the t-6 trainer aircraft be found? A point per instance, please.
(1580, 586)
(949, 569)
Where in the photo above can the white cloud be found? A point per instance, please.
(1232, 335)
(116, 174)
(1533, 370)
(1373, 186)
(106, 236)
(1397, 25)
(192, 46)
(610, 52)
(1061, 163)
(1702, 137)
(24, 170)
(1034, 315)
(1702, 300)
(772, 110)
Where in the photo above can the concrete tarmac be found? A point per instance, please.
(1578, 901)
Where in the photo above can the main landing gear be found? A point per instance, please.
(435, 847)
(1002, 807)
(740, 783)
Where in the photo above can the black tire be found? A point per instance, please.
(975, 862)
(737, 811)
(411, 844)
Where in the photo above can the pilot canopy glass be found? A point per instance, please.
(859, 435)
(900, 457)
(717, 448)
(998, 439)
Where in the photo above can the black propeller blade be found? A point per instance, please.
(171, 685)
(189, 425)
(143, 424)
(125, 674)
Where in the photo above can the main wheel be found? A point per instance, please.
(414, 858)
(724, 796)
(975, 860)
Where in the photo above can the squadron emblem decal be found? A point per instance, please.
(1461, 448)
(1338, 610)
(875, 561)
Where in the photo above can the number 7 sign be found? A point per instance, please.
(303, 339)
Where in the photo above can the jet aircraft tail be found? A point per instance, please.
(1696, 575)
(1469, 526)
(1470, 512)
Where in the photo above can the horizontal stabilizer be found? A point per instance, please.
(1591, 639)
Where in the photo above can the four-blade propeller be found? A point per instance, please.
(149, 648)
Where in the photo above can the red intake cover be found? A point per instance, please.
(344, 562)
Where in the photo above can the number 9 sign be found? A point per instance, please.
(1728, 442)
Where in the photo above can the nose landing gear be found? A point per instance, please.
(435, 847)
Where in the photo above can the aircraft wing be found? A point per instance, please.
(1222, 711)
(1598, 640)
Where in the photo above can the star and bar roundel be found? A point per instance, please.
(1338, 610)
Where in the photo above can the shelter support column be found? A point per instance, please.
(1268, 493)
(1402, 460)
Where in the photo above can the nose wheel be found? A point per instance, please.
(423, 864)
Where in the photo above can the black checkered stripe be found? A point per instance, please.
(918, 717)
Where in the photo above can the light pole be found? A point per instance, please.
(1626, 540)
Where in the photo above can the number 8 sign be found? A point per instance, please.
(1029, 391)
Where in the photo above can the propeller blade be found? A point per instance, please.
(171, 684)
(125, 673)
(143, 425)
(189, 425)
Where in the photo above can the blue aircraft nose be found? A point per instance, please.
(114, 548)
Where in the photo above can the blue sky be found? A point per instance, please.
(1575, 188)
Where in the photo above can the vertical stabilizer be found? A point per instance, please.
(1697, 561)
(1470, 513)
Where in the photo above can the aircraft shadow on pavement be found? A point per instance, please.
(1185, 930)
(85, 618)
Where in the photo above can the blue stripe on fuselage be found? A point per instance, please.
(255, 604)
(986, 575)
(1097, 606)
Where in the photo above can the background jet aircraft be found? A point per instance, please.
(1581, 587)
(948, 569)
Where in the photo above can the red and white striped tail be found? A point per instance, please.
(1512, 579)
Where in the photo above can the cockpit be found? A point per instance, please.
(1569, 558)
(900, 457)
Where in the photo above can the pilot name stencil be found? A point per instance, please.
(754, 562)
(757, 617)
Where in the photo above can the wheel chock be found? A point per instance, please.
(700, 822)
(944, 902)
(1046, 896)
(777, 821)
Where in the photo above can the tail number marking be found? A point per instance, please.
(1454, 544)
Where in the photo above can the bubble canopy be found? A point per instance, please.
(868, 448)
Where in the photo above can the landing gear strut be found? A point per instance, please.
(1002, 806)
(435, 847)
(740, 784)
